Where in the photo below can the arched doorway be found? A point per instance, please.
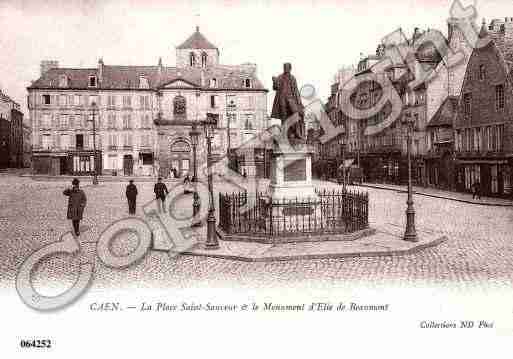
(180, 157)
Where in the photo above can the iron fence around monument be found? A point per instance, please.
(331, 212)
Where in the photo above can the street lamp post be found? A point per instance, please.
(410, 234)
(343, 147)
(95, 172)
(194, 134)
(212, 243)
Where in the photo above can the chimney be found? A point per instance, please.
(48, 65)
(100, 70)
(160, 70)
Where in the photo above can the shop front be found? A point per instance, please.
(494, 176)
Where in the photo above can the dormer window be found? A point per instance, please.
(247, 83)
(204, 60)
(213, 83)
(92, 81)
(143, 82)
(63, 81)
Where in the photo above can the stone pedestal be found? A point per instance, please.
(291, 174)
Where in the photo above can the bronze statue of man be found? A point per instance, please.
(287, 102)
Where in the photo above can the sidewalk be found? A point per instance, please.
(387, 241)
(436, 193)
(102, 178)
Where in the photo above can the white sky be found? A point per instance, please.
(317, 37)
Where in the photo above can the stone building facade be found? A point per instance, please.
(140, 111)
(483, 125)
(423, 77)
(11, 133)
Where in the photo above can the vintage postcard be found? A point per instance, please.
(256, 179)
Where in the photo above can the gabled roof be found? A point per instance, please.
(445, 114)
(197, 41)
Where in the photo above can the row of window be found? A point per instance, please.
(64, 81)
(481, 73)
(499, 101)
(145, 101)
(80, 141)
(489, 138)
(85, 121)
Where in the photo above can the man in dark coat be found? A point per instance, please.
(77, 201)
(287, 102)
(131, 196)
(161, 192)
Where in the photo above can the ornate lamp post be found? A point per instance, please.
(410, 234)
(194, 134)
(342, 149)
(209, 126)
(229, 113)
(94, 108)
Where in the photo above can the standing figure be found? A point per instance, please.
(478, 190)
(131, 196)
(77, 201)
(161, 192)
(287, 102)
(187, 184)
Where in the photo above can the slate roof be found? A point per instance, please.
(445, 114)
(128, 77)
(197, 41)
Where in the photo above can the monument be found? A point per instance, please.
(292, 210)
(291, 167)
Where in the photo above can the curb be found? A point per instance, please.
(441, 197)
(392, 253)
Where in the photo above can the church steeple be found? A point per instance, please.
(197, 51)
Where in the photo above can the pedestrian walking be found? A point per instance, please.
(131, 196)
(77, 201)
(478, 190)
(161, 192)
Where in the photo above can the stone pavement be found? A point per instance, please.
(387, 241)
(478, 252)
(437, 193)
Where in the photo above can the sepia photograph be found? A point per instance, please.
(288, 179)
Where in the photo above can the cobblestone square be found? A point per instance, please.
(478, 253)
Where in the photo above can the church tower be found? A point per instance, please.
(197, 51)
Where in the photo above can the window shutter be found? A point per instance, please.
(86, 141)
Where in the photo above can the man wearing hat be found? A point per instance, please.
(131, 196)
(161, 192)
(77, 201)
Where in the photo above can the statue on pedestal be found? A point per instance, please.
(287, 102)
